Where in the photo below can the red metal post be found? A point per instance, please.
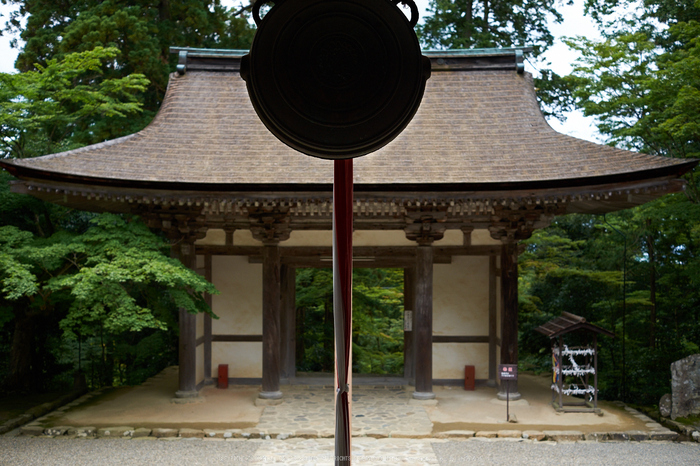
(342, 306)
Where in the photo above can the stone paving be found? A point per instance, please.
(306, 412)
(379, 412)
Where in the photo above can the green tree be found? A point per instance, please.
(377, 329)
(143, 32)
(633, 272)
(90, 70)
(113, 278)
(459, 24)
(65, 104)
(642, 82)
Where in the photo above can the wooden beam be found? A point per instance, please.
(236, 338)
(460, 339)
(358, 263)
(360, 251)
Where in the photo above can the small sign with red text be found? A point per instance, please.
(508, 371)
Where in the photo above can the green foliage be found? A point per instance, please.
(113, 282)
(642, 82)
(638, 267)
(65, 104)
(91, 70)
(142, 30)
(110, 271)
(459, 24)
(635, 272)
(377, 321)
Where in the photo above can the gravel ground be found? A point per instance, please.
(104, 452)
(561, 454)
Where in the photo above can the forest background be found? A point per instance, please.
(98, 293)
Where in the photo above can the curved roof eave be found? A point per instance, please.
(479, 130)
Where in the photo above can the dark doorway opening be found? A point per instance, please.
(378, 327)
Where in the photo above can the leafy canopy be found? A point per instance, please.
(143, 31)
(115, 275)
(65, 104)
(459, 24)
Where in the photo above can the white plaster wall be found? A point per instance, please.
(199, 373)
(215, 237)
(244, 358)
(380, 238)
(245, 238)
(449, 360)
(239, 306)
(309, 238)
(451, 238)
(461, 296)
(483, 237)
(461, 307)
(200, 325)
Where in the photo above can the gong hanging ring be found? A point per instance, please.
(335, 79)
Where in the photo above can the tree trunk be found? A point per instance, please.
(22, 365)
(487, 11)
(469, 21)
(652, 288)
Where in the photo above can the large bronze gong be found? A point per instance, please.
(335, 78)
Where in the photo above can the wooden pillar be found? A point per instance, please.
(271, 322)
(183, 249)
(409, 283)
(493, 321)
(207, 321)
(288, 321)
(423, 323)
(509, 317)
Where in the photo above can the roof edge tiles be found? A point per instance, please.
(671, 171)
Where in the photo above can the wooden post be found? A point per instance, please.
(183, 249)
(423, 323)
(509, 321)
(271, 322)
(207, 320)
(595, 370)
(493, 322)
(288, 321)
(409, 305)
(560, 380)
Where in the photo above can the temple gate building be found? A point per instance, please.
(477, 170)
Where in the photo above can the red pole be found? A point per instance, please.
(342, 306)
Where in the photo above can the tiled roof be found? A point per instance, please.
(568, 322)
(476, 127)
